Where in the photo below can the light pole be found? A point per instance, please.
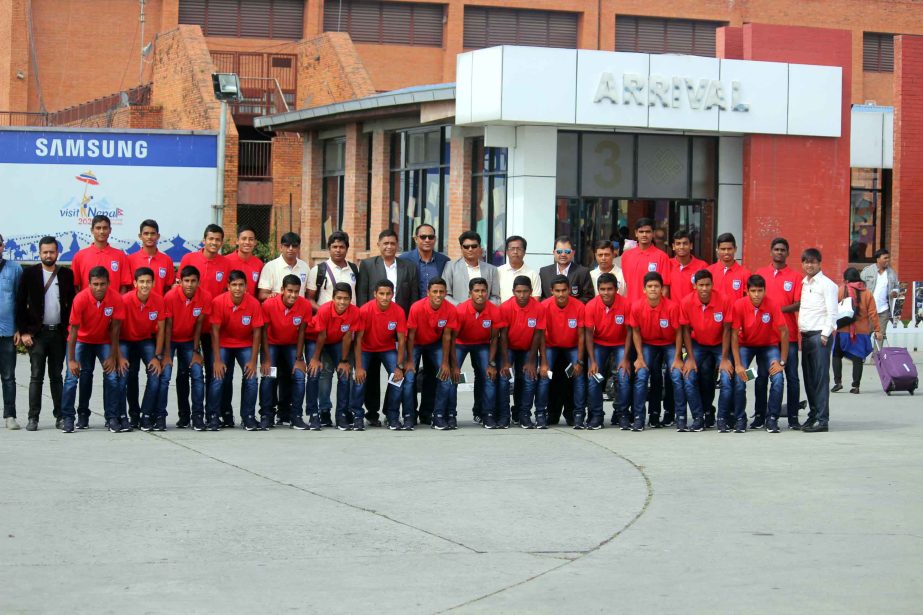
(227, 88)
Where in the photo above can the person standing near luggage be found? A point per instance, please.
(853, 339)
(43, 309)
(10, 276)
(816, 323)
(881, 281)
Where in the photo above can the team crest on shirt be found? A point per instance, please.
(344, 328)
(219, 275)
(392, 326)
(352, 276)
(255, 275)
(152, 315)
(486, 324)
(296, 320)
(575, 290)
(162, 272)
(196, 312)
(619, 319)
(652, 266)
(787, 285)
(692, 279)
(114, 265)
(719, 316)
(664, 323)
(304, 277)
(107, 311)
(765, 317)
(735, 284)
(245, 320)
(571, 323)
(531, 323)
(442, 323)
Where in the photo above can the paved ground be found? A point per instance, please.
(468, 521)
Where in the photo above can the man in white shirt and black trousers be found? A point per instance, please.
(817, 324)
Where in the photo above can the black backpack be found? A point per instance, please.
(322, 279)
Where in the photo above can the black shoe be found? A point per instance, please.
(213, 425)
(541, 420)
(654, 422)
(408, 425)
(681, 427)
(135, 423)
(160, 424)
(83, 421)
(514, 419)
(184, 423)
(59, 423)
(327, 421)
(615, 421)
(266, 422)
(854, 390)
(227, 423)
(526, 422)
(344, 427)
(373, 422)
(114, 425)
(758, 423)
(637, 426)
(299, 424)
(452, 422)
(250, 424)
(426, 420)
(794, 425)
(836, 387)
(722, 427)
(282, 422)
(668, 420)
(125, 424)
(808, 425)
(477, 419)
(595, 424)
(394, 425)
(439, 423)
(198, 423)
(146, 423)
(359, 424)
(698, 425)
(579, 425)
(314, 422)
(709, 420)
(772, 426)
(816, 428)
(802, 404)
(32, 425)
(67, 425)
(741, 426)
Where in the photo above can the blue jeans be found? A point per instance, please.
(324, 382)
(764, 356)
(393, 395)
(283, 358)
(602, 355)
(248, 402)
(8, 374)
(792, 385)
(136, 353)
(433, 353)
(185, 371)
(480, 356)
(656, 357)
(113, 384)
(579, 382)
(315, 385)
(524, 393)
(699, 386)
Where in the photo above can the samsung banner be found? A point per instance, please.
(55, 180)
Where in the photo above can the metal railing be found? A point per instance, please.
(23, 118)
(262, 96)
(254, 160)
(140, 95)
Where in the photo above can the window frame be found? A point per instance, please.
(339, 173)
(485, 166)
(203, 22)
(880, 40)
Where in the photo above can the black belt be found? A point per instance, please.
(810, 333)
(52, 327)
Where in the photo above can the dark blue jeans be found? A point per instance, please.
(764, 355)
(139, 352)
(524, 388)
(185, 372)
(815, 365)
(602, 355)
(485, 400)
(656, 357)
(699, 386)
(792, 385)
(579, 383)
(433, 355)
(283, 358)
(248, 402)
(8, 375)
(331, 353)
(393, 394)
(113, 383)
(324, 383)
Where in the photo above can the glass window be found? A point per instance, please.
(334, 172)
(868, 204)
(488, 199)
(419, 183)
(663, 166)
(607, 165)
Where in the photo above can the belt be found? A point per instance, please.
(809, 333)
(52, 327)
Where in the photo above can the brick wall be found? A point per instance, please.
(140, 117)
(459, 201)
(381, 193)
(311, 178)
(287, 152)
(14, 56)
(907, 182)
(356, 192)
(330, 70)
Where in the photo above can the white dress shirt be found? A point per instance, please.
(818, 305)
(275, 271)
(508, 275)
(391, 272)
(474, 272)
(619, 276)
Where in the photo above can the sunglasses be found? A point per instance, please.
(427, 237)
(471, 246)
(563, 251)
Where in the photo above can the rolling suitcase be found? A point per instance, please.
(896, 369)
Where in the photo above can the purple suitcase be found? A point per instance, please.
(896, 370)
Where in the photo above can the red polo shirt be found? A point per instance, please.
(237, 322)
(336, 325)
(681, 277)
(93, 317)
(381, 326)
(112, 259)
(756, 326)
(657, 325)
(185, 312)
(160, 264)
(562, 324)
(705, 321)
(637, 263)
(429, 323)
(609, 324)
(522, 322)
(732, 283)
(783, 286)
(474, 327)
(252, 268)
(213, 274)
(282, 323)
(141, 319)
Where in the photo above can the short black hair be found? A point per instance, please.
(811, 254)
(602, 244)
(341, 236)
(388, 232)
(235, 275)
(682, 234)
(140, 271)
(342, 287)
(243, 228)
(475, 281)
(607, 278)
(100, 218)
(291, 280)
(522, 280)
(416, 231)
(881, 252)
(756, 281)
(46, 240)
(726, 238)
(469, 235)
(384, 284)
(653, 276)
(642, 222)
(778, 240)
(189, 270)
(513, 238)
(563, 239)
(702, 274)
(151, 223)
(98, 272)
(291, 239)
(852, 275)
(213, 228)
(559, 279)
(437, 281)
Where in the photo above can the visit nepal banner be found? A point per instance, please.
(55, 181)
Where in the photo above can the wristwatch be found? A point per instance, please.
(492, 363)
(782, 363)
(580, 363)
(344, 361)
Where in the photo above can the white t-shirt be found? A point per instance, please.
(52, 301)
(507, 275)
(275, 270)
(338, 274)
(881, 292)
(619, 276)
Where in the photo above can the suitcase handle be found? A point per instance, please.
(875, 341)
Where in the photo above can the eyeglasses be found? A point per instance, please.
(471, 246)
(427, 237)
(563, 251)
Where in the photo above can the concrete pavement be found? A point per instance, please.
(467, 521)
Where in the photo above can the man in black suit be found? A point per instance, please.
(43, 308)
(581, 288)
(403, 274)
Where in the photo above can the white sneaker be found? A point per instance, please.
(11, 423)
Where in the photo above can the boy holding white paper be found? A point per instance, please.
(381, 334)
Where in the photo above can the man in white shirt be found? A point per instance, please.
(514, 267)
(324, 276)
(881, 280)
(287, 263)
(605, 263)
(817, 324)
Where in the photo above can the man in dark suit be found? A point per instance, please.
(403, 274)
(43, 309)
(581, 288)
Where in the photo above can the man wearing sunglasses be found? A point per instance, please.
(462, 270)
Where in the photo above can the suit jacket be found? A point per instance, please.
(372, 270)
(455, 275)
(581, 284)
(30, 302)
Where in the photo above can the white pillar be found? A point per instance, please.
(731, 190)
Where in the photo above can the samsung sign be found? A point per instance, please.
(534, 85)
